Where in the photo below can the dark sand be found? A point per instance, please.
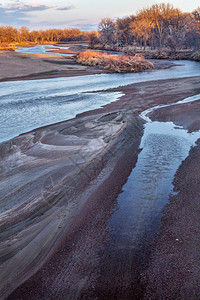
(186, 115)
(59, 185)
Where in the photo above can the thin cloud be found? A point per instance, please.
(18, 13)
(12, 17)
(23, 7)
(87, 27)
(68, 7)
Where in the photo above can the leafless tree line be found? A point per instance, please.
(158, 26)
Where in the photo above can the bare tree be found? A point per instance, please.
(107, 30)
(143, 26)
(123, 30)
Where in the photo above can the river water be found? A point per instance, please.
(25, 105)
(43, 49)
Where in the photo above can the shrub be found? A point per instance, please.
(196, 56)
(6, 46)
(119, 64)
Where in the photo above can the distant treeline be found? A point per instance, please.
(158, 26)
(9, 34)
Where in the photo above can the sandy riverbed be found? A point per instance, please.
(53, 180)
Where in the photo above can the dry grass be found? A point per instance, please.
(119, 64)
(15, 45)
(6, 46)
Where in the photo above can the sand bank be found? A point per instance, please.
(24, 66)
(59, 184)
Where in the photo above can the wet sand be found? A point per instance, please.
(186, 115)
(59, 185)
(24, 66)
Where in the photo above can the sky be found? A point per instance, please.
(83, 14)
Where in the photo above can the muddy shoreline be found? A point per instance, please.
(52, 233)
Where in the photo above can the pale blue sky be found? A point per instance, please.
(85, 14)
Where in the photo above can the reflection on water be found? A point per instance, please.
(148, 186)
(139, 206)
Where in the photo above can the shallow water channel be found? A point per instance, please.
(138, 213)
(164, 146)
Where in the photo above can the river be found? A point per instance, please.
(28, 104)
(43, 49)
